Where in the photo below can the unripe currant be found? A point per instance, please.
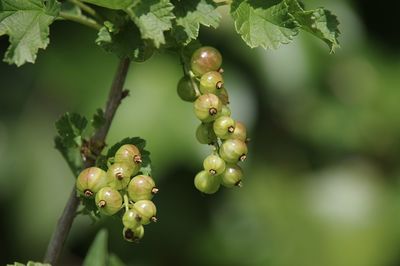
(141, 187)
(211, 82)
(232, 176)
(233, 150)
(131, 219)
(240, 132)
(133, 234)
(206, 183)
(205, 59)
(223, 95)
(146, 210)
(108, 200)
(205, 134)
(91, 180)
(225, 111)
(214, 165)
(119, 175)
(185, 89)
(207, 107)
(224, 126)
(128, 153)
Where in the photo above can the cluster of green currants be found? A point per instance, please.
(205, 87)
(122, 186)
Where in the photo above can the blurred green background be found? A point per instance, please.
(322, 179)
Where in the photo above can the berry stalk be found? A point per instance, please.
(67, 217)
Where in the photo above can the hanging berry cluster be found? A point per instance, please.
(121, 187)
(205, 87)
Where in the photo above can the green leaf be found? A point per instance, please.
(98, 253)
(138, 142)
(153, 18)
(71, 155)
(264, 23)
(114, 260)
(98, 119)
(70, 8)
(190, 14)
(112, 4)
(26, 22)
(319, 22)
(124, 41)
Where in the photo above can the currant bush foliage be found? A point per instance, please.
(135, 29)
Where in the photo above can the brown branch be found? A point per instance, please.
(67, 217)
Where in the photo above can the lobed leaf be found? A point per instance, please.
(26, 22)
(112, 4)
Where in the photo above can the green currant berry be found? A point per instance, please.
(211, 82)
(232, 176)
(128, 153)
(240, 132)
(224, 126)
(233, 150)
(185, 89)
(147, 211)
(207, 107)
(131, 219)
(223, 95)
(214, 164)
(108, 200)
(142, 187)
(133, 234)
(205, 59)
(119, 175)
(91, 180)
(225, 111)
(206, 183)
(205, 134)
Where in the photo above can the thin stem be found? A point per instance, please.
(67, 217)
(189, 73)
(224, 3)
(81, 20)
(85, 8)
(126, 203)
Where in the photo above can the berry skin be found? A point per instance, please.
(233, 150)
(206, 183)
(141, 187)
(232, 176)
(108, 200)
(90, 181)
(131, 219)
(119, 175)
(214, 165)
(211, 82)
(207, 107)
(223, 96)
(128, 153)
(205, 134)
(205, 59)
(133, 234)
(224, 126)
(240, 132)
(185, 89)
(147, 211)
(225, 111)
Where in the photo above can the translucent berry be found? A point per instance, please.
(233, 150)
(211, 82)
(207, 107)
(206, 183)
(141, 187)
(185, 89)
(91, 180)
(128, 153)
(147, 211)
(224, 126)
(119, 175)
(205, 134)
(108, 200)
(133, 234)
(214, 165)
(205, 59)
(225, 111)
(131, 219)
(240, 132)
(232, 176)
(223, 95)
